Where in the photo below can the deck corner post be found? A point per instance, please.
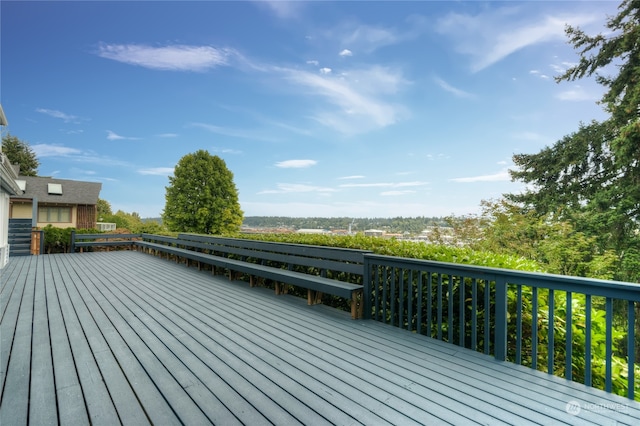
(73, 241)
(500, 343)
(366, 290)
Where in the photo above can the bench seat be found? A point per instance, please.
(316, 285)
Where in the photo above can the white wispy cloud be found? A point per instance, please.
(345, 52)
(395, 193)
(283, 188)
(496, 177)
(368, 38)
(562, 67)
(258, 135)
(76, 155)
(384, 184)
(67, 118)
(157, 171)
(176, 57)
(296, 164)
(46, 150)
(313, 62)
(283, 9)
(490, 36)
(112, 136)
(539, 74)
(351, 177)
(356, 102)
(449, 88)
(167, 135)
(576, 94)
(325, 70)
(227, 150)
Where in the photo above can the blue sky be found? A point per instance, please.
(359, 109)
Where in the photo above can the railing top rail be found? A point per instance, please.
(591, 286)
(105, 236)
(312, 250)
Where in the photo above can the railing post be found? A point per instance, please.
(500, 342)
(73, 241)
(366, 290)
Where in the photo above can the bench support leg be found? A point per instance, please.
(281, 288)
(314, 297)
(356, 308)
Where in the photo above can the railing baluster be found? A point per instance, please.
(439, 306)
(429, 304)
(410, 301)
(385, 292)
(401, 299)
(519, 325)
(550, 333)
(461, 327)
(450, 309)
(534, 328)
(376, 293)
(419, 305)
(474, 314)
(608, 342)
(587, 343)
(487, 316)
(568, 365)
(631, 348)
(392, 297)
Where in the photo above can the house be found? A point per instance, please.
(58, 202)
(8, 187)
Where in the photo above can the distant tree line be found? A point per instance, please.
(399, 225)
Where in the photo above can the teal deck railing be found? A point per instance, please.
(582, 329)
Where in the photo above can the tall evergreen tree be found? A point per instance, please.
(202, 197)
(20, 153)
(592, 177)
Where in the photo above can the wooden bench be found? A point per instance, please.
(320, 270)
(98, 240)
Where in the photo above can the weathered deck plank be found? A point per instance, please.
(123, 337)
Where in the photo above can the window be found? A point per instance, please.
(54, 188)
(54, 214)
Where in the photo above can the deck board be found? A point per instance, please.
(125, 337)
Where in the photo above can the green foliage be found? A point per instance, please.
(104, 209)
(405, 248)
(591, 177)
(201, 196)
(58, 240)
(19, 152)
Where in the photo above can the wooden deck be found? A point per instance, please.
(123, 337)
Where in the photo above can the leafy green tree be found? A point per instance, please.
(20, 153)
(591, 178)
(202, 197)
(104, 208)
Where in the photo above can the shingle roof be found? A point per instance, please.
(73, 191)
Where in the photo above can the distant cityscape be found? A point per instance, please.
(399, 227)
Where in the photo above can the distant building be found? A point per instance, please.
(105, 226)
(61, 203)
(373, 233)
(312, 231)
